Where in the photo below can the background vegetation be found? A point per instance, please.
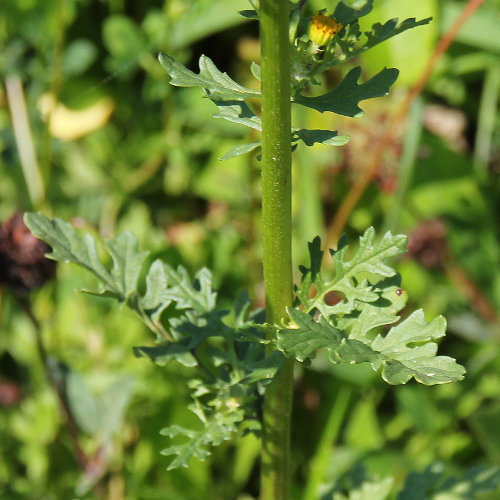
(116, 147)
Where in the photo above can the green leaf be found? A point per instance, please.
(239, 150)
(68, 246)
(127, 263)
(154, 299)
(198, 296)
(217, 85)
(345, 14)
(307, 337)
(381, 32)
(216, 430)
(249, 14)
(469, 486)
(349, 330)
(84, 406)
(344, 99)
(167, 352)
(400, 358)
(326, 137)
(264, 370)
(349, 275)
(378, 34)
(238, 112)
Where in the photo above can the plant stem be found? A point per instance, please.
(276, 233)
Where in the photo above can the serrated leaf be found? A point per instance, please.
(217, 85)
(68, 246)
(238, 112)
(344, 98)
(326, 137)
(220, 428)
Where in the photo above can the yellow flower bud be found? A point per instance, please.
(322, 29)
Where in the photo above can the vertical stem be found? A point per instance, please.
(276, 231)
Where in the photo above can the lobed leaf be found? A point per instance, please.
(217, 85)
(349, 330)
(349, 275)
(216, 430)
(344, 98)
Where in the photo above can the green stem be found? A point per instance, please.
(276, 233)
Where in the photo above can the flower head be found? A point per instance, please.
(322, 29)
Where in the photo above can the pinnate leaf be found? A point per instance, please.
(371, 299)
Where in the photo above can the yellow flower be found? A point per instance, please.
(323, 28)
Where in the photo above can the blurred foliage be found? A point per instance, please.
(117, 148)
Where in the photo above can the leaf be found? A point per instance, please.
(127, 263)
(302, 342)
(419, 484)
(470, 485)
(349, 41)
(84, 406)
(349, 329)
(344, 99)
(154, 299)
(345, 14)
(239, 150)
(114, 402)
(400, 358)
(216, 430)
(68, 246)
(198, 296)
(326, 137)
(348, 279)
(238, 112)
(430, 484)
(217, 85)
(265, 369)
(167, 352)
(249, 14)
(381, 32)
